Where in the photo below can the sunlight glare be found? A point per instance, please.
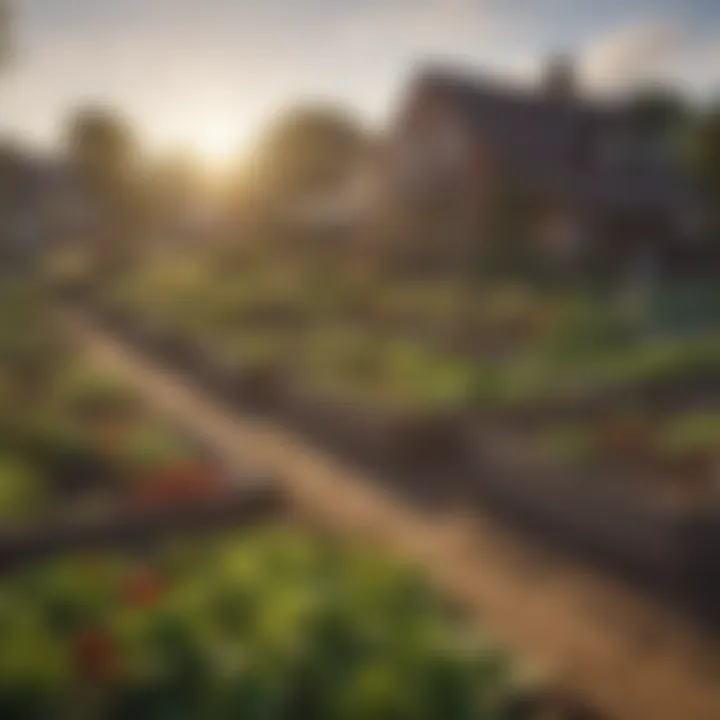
(216, 143)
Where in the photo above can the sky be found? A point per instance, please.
(207, 74)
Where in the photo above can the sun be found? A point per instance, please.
(216, 143)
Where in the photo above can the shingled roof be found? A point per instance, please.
(561, 144)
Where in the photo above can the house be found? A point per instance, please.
(473, 163)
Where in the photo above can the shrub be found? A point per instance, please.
(273, 626)
(690, 434)
(22, 489)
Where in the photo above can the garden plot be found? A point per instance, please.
(564, 395)
(273, 624)
(276, 622)
(82, 461)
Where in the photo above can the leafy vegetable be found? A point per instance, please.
(275, 625)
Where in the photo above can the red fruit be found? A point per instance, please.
(180, 483)
(96, 656)
(142, 589)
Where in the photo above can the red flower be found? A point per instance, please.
(182, 483)
(96, 656)
(142, 589)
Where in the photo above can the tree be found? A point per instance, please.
(660, 112)
(7, 37)
(704, 151)
(101, 147)
(103, 156)
(309, 149)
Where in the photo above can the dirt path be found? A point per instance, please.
(632, 660)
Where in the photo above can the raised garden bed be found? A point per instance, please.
(82, 459)
(137, 528)
(673, 548)
(431, 418)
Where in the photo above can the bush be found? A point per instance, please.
(272, 626)
(91, 395)
(691, 433)
(22, 490)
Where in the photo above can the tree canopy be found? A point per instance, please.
(661, 112)
(101, 145)
(705, 150)
(309, 148)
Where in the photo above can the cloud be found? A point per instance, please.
(423, 26)
(682, 54)
(632, 53)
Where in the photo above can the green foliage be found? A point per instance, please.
(686, 308)
(22, 490)
(586, 325)
(92, 394)
(69, 434)
(690, 434)
(660, 114)
(27, 345)
(308, 149)
(149, 445)
(383, 370)
(274, 626)
(341, 333)
(102, 146)
(64, 453)
(704, 151)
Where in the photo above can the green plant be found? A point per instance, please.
(150, 444)
(90, 394)
(690, 434)
(276, 625)
(570, 445)
(22, 489)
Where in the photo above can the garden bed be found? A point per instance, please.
(139, 528)
(318, 354)
(108, 611)
(275, 622)
(83, 460)
(671, 547)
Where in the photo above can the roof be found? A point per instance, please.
(560, 144)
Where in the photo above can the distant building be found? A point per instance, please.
(43, 202)
(592, 186)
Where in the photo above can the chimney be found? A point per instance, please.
(559, 82)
